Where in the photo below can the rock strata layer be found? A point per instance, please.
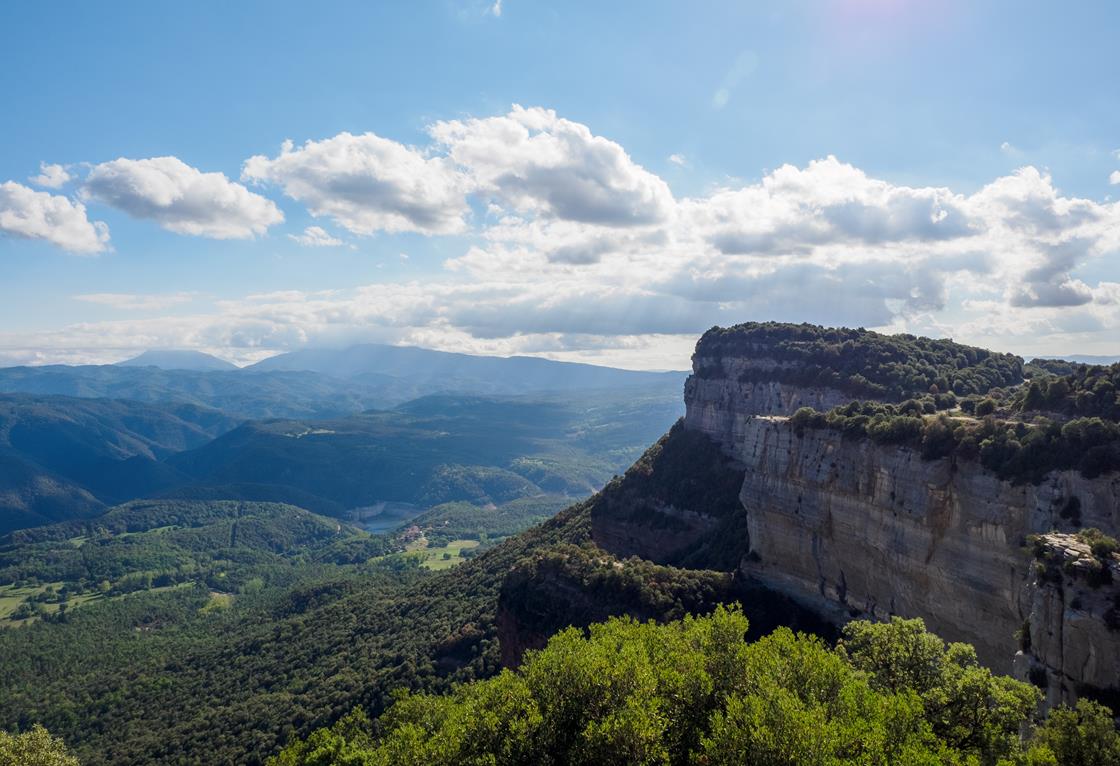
(856, 529)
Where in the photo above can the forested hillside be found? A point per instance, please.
(279, 661)
(241, 393)
(323, 383)
(63, 457)
(66, 457)
(435, 450)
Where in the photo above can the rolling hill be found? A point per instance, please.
(433, 450)
(63, 457)
(237, 392)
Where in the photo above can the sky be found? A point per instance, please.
(595, 182)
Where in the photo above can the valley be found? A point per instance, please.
(270, 620)
(504, 383)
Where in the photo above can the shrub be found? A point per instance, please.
(1101, 545)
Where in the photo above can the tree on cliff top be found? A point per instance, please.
(859, 362)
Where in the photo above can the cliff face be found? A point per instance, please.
(731, 386)
(854, 529)
(1070, 640)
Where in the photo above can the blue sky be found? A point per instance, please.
(667, 167)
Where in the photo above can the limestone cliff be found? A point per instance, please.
(852, 528)
(1070, 639)
(731, 385)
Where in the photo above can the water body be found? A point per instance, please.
(383, 517)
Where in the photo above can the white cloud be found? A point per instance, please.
(534, 162)
(34, 214)
(367, 184)
(181, 198)
(580, 252)
(1114, 178)
(793, 211)
(316, 236)
(678, 159)
(496, 8)
(51, 176)
(136, 301)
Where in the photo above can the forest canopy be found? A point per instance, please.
(1087, 391)
(694, 692)
(859, 362)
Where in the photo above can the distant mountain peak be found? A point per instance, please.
(457, 372)
(178, 359)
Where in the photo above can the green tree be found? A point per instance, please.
(694, 692)
(1081, 736)
(969, 708)
(35, 747)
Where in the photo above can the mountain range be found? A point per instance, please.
(321, 384)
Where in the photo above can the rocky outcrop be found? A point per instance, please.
(1070, 638)
(856, 529)
(732, 385)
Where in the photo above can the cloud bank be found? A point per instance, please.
(565, 245)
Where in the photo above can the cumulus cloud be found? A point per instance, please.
(181, 198)
(794, 210)
(31, 214)
(533, 161)
(1114, 178)
(316, 236)
(136, 301)
(51, 176)
(574, 250)
(367, 184)
(679, 160)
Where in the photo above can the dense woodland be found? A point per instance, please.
(1086, 391)
(253, 670)
(694, 692)
(146, 544)
(280, 660)
(862, 363)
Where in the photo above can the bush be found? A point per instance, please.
(1014, 451)
(1101, 545)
